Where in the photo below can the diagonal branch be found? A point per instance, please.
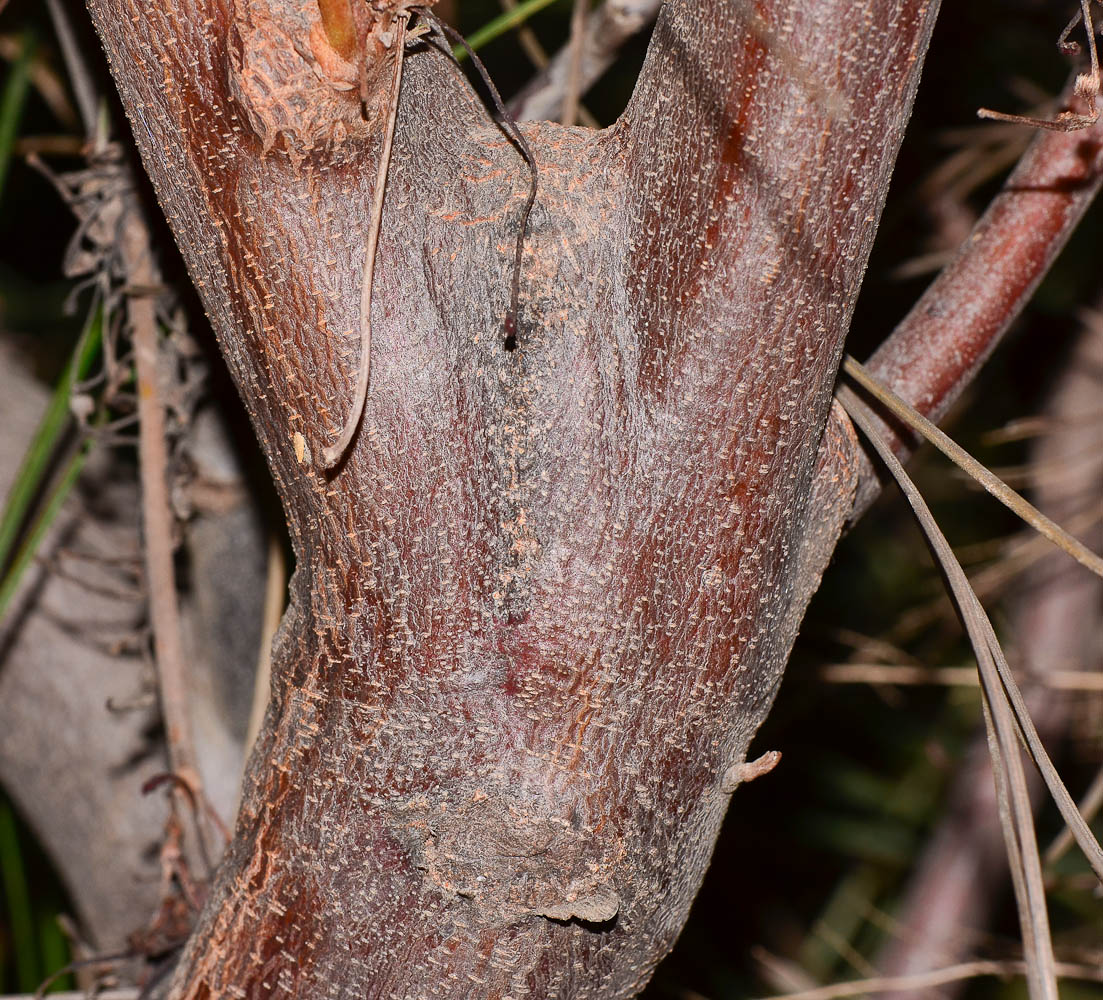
(605, 33)
(941, 344)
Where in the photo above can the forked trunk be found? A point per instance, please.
(544, 604)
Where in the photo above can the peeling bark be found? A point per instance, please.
(544, 604)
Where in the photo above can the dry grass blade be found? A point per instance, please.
(884, 673)
(1075, 822)
(1071, 815)
(1057, 790)
(1089, 805)
(964, 461)
(1017, 816)
(80, 77)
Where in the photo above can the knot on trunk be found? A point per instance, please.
(516, 860)
(287, 81)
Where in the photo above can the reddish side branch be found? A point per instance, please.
(941, 344)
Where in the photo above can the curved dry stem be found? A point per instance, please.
(333, 454)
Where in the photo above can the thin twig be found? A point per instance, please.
(539, 58)
(937, 977)
(612, 24)
(941, 344)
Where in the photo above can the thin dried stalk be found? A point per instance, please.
(964, 461)
(1017, 816)
(579, 16)
(336, 451)
(156, 512)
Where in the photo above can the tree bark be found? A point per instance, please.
(541, 609)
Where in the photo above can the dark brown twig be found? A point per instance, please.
(509, 126)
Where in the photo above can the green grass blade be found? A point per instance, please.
(17, 898)
(13, 101)
(36, 463)
(41, 526)
(504, 22)
(55, 951)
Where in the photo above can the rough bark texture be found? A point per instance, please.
(544, 605)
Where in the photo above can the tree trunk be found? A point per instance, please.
(541, 609)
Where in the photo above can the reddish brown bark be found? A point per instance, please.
(542, 608)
